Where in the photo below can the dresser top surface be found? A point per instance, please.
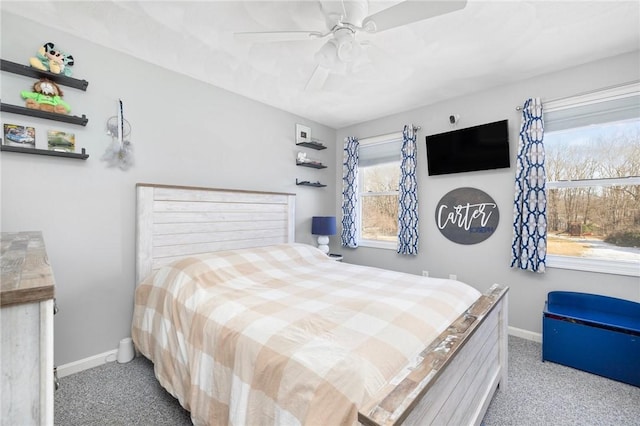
(26, 273)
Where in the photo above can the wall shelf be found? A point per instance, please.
(312, 165)
(29, 71)
(307, 183)
(63, 80)
(80, 121)
(80, 156)
(313, 145)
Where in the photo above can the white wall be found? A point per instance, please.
(184, 132)
(488, 262)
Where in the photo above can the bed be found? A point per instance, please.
(245, 326)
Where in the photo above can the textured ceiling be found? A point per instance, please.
(486, 44)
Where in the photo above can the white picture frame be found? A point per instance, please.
(303, 133)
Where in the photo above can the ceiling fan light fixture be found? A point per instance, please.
(327, 56)
(348, 50)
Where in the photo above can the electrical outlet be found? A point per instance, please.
(453, 277)
(425, 273)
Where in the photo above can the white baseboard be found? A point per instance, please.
(525, 334)
(86, 363)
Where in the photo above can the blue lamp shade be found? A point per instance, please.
(323, 225)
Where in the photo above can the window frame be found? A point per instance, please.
(376, 140)
(614, 267)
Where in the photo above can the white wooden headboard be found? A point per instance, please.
(177, 221)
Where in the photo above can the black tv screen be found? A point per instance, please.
(481, 147)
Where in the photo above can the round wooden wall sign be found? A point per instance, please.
(467, 216)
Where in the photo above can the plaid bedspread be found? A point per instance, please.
(284, 335)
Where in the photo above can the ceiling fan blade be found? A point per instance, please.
(410, 11)
(317, 79)
(276, 36)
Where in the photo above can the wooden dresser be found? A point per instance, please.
(26, 318)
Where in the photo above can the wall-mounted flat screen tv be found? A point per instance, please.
(481, 147)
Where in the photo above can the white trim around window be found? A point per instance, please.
(391, 245)
(615, 267)
(627, 180)
(616, 92)
(372, 140)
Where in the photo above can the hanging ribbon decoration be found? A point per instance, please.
(120, 125)
(120, 151)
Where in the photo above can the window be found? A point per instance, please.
(592, 160)
(379, 174)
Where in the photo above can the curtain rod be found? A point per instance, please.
(590, 92)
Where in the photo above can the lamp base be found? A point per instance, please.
(323, 243)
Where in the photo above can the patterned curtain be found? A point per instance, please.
(408, 195)
(529, 247)
(350, 193)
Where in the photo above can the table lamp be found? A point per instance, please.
(323, 226)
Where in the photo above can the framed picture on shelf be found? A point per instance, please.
(61, 141)
(303, 133)
(22, 136)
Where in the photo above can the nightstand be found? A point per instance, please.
(335, 256)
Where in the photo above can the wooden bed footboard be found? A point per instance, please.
(455, 377)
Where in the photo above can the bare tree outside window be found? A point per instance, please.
(379, 198)
(593, 195)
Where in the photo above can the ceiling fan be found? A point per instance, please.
(344, 20)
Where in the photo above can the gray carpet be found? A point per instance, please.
(544, 393)
(539, 394)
